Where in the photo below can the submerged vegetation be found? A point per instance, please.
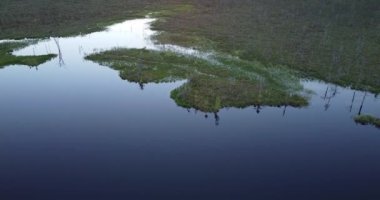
(6, 57)
(213, 83)
(368, 120)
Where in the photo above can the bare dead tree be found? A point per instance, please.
(362, 103)
(325, 96)
(61, 62)
(330, 93)
(284, 111)
(327, 104)
(352, 101)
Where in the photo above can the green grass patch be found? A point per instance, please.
(213, 83)
(335, 41)
(58, 18)
(6, 57)
(368, 120)
(169, 10)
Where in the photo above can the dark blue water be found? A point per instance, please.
(77, 131)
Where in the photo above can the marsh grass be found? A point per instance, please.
(211, 86)
(367, 120)
(6, 57)
(335, 41)
(57, 18)
(332, 40)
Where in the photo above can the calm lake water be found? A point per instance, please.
(72, 129)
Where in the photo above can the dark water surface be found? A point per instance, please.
(74, 130)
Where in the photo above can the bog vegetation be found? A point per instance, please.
(6, 57)
(333, 40)
(213, 83)
(368, 120)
